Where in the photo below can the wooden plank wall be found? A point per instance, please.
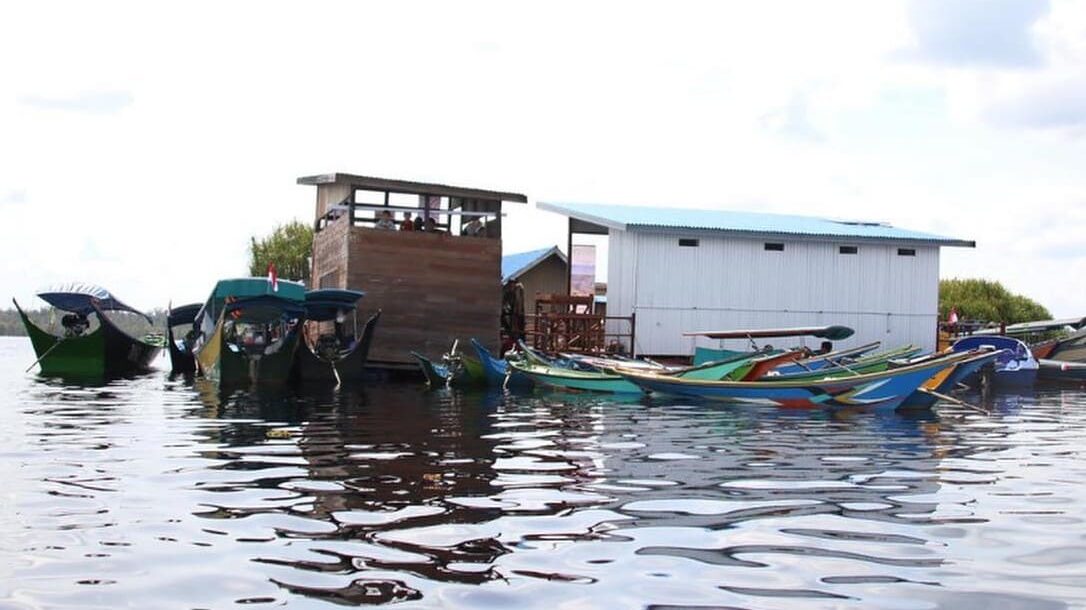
(330, 254)
(432, 287)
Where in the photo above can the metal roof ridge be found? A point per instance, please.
(544, 253)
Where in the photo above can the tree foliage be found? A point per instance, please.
(289, 246)
(12, 325)
(987, 301)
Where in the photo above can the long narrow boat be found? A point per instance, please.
(818, 361)
(336, 357)
(181, 358)
(831, 333)
(607, 363)
(1062, 370)
(106, 351)
(497, 371)
(570, 379)
(947, 380)
(1071, 348)
(457, 370)
(612, 381)
(247, 331)
(871, 363)
(885, 390)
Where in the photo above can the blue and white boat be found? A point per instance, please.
(1015, 367)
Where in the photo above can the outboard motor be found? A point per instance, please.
(75, 324)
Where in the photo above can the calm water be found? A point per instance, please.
(153, 493)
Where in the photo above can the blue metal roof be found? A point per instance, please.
(626, 218)
(513, 265)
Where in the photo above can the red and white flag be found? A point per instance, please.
(952, 317)
(273, 278)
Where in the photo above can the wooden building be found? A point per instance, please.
(540, 272)
(433, 285)
(682, 271)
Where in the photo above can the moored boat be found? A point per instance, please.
(1015, 367)
(570, 379)
(456, 369)
(1061, 370)
(884, 390)
(871, 363)
(609, 379)
(247, 331)
(497, 371)
(339, 356)
(946, 381)
(180, 348)
(105, 351)
(821, 360)
(1071, 348)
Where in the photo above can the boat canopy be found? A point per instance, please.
(184, 314)
(1013, 349)
(265, 308)
(248, 287)
(256, 286)
(323, 305)
(81, 298)
(832, 333)
(1026, 328)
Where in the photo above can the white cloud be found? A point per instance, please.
(93, 102)
(971, 33)
(607, 102)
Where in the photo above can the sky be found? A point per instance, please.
(143, 144)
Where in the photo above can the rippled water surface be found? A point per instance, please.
(154, 493)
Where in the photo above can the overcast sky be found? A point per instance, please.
(141, 145)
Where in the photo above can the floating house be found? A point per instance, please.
(682, 270)
(435, 283)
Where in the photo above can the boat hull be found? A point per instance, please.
(1060, 370)
(496, 370)
(230, 366)
(585, 381)
(181, 360)
(106, 352)
(437, 375)
(350, 367)
(1015, 368)
(878, 391)
(947, 381)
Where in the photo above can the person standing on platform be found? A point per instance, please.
(385, 222)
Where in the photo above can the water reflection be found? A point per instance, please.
(150, 489)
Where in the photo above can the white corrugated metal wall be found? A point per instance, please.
(735, 283)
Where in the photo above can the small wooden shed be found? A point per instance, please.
(435, 282)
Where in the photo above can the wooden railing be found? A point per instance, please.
(565, 323)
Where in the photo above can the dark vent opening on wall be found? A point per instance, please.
(906, 251)
(848, 249)
(688, 243)
(772, 247)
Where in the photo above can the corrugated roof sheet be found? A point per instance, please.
(513, 265)
(625, 217)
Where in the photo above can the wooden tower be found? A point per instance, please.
(433, 285)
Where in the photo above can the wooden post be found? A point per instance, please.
(350, 211)
(633, 334)
(569, 256)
